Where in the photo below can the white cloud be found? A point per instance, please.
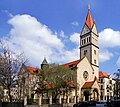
(75, 23)
(62, 35)
(37, 41)
(75, 38)
(105, 55)
(109, 38)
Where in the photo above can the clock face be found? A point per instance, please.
(85, 75)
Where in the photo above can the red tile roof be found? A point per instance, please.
(71, 64)
(90, 83)
(89, 20)
(103, 74)
(49, 86)
(87, 84)
(32, 69)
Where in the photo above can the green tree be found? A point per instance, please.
(42, 83)
(117, 79)
(56, 80)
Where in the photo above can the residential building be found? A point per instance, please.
(107, 85)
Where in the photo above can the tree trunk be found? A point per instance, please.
(10, 97)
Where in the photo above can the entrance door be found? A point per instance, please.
(86, 94)
(95, 94)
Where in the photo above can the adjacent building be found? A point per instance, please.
(27, 80)
(107, 86)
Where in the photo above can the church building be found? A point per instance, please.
(91, 84)
(87, 68)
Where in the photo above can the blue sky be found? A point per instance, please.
(32, 26)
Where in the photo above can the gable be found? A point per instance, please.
(82, 67)
(95, 85)
(85, 30)
(94, 29)
(91, 84)
(86, 63)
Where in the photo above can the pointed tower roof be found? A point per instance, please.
(44, 61)
(89, 20)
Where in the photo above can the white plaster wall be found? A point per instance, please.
(94, 39)
(96, 71)
(96, 85)
(84, 65)
(95, 56)
(87, 54)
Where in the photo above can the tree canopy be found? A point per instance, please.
(57, 80)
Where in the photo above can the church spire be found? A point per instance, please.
(44, 61)
(44, 64)
(89, 21)
(89, 43)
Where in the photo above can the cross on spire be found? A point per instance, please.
(88, 6)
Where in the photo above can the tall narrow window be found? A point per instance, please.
(85, 51)
(94, 61)
(89, 39)
(84, 41)
(95, 52)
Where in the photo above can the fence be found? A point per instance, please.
(11, 104)
(47, 101)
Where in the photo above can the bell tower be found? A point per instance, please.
(89, 43)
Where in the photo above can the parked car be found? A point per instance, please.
(85, 104)
(81, 104)
(101, 103)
